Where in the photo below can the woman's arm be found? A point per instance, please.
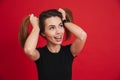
(31, 42)
(79, 33)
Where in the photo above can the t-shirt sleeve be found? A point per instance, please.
(67, 47)
(39, 50)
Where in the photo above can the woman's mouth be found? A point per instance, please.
(58, 38)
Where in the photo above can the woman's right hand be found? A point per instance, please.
(34, 21)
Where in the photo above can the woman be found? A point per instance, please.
(53, 61)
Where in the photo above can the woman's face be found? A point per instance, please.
(54, 30)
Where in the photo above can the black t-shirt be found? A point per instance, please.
(55, 66)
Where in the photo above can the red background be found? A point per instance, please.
(99, 60)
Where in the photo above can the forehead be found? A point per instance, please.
(53, 21)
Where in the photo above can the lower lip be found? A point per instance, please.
(58, 40)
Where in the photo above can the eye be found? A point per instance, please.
(61, 25)
(52, 27)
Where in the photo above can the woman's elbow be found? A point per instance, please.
(83, 37)
(28, 51)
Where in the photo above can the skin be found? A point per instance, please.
(54, 32)
(54, 36)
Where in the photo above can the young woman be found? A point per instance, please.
(53, 61)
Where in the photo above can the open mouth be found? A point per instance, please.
(58, 38)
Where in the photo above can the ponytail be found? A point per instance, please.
(23, 31)
(69, 17)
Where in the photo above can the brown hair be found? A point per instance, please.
(23, 31)
(69, 17)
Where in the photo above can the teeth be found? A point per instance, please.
(58, 37)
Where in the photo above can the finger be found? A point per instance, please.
(60, 9)
(31, 16)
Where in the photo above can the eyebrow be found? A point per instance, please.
(51, 25)
(54, 25)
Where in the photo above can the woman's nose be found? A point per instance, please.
(57, 30)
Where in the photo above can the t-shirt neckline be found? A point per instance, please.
(56, 53)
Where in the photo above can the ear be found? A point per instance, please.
(43, 34)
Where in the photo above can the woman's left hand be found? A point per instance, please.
(63, 13)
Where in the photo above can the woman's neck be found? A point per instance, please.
(53, 48)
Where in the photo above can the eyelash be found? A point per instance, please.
(51, 27)
(61, 25)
